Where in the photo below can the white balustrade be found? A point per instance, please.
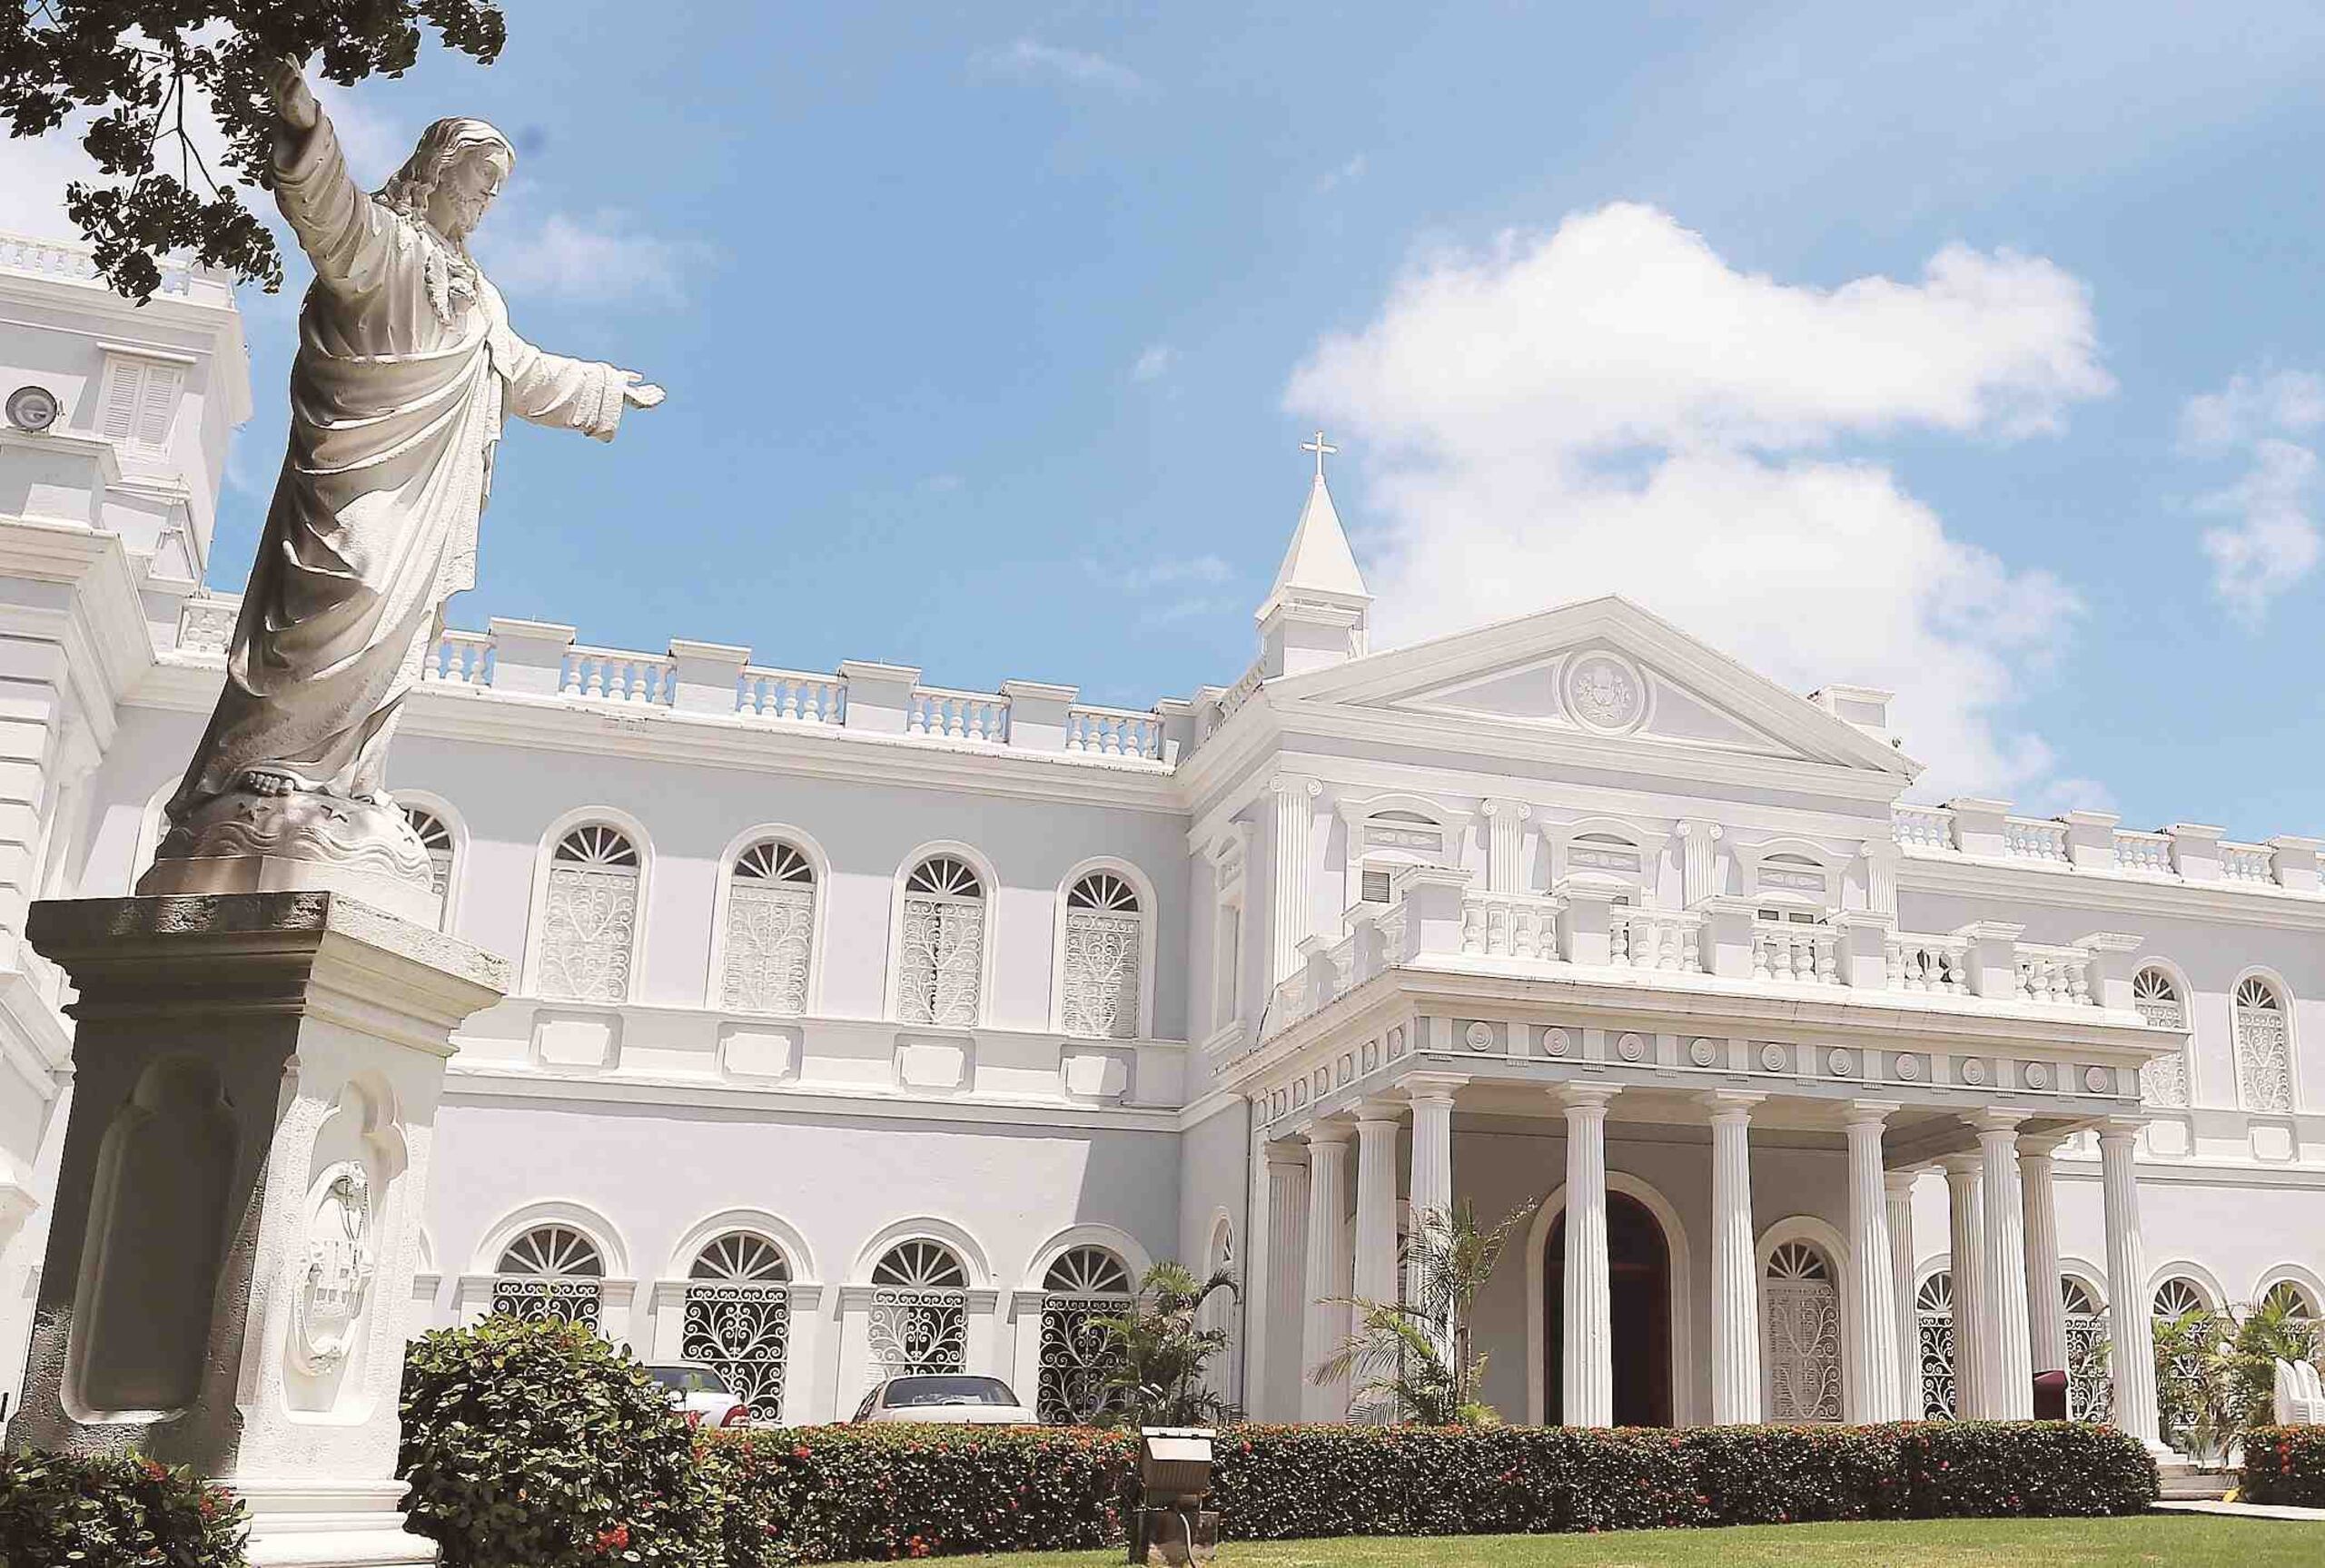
(1798, 954)
(611, 675)
(793, 694)
(2143, 852)
(1930, 963)
(2025, 838)
(1923, 827)
(1508, 925)
(1289, 1004)
(1236, 696)
(957, 716)
(459, 658)
(63, 259)
(1113, 732)
(2055, 974)
(206, 625)
(2247, 862)
(1652, 939)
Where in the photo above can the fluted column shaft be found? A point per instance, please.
(1966, 1237)
(1734, 1272)
(2010, 1371)
(1429, 1186)
(1871, 1382)
(1289, 898)
(1898, 1188)
(2046, 1307)
(1326, 1289)
(1505, 837)
(2131, 1332)
(1275, 1366)
(1376, 1200)
(1589, 1375)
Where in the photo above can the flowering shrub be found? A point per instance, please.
(1961, 1469)
(112, 1511)
(2284, 1465)
(540, 1443)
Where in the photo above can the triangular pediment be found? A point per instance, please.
(1603, 670)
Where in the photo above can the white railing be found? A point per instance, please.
(1652, 939)
(1509, 925)
(1797, 954)
(793, 694)
(2027, 838)
(460, 659)
(205, 625)
(1235, 696)
(2059, 974)
(2143, 852)
(957, 716)
(63, 259)
(1290, 1004)
(1933, 964)
(616, 675)
(1923, 827)
(2247, 862)
(1114, 732)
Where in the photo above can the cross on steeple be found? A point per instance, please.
(1319, 447)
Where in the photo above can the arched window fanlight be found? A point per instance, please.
(1798, 1260)
(945, 876)
(2176, 1299)
(437, 840)
(1087, 1271)
(596, 845)
(774, 861)
(2290, 1299)
(921, 1265)
(740, 1255)
(770, 931)
(555, 1251)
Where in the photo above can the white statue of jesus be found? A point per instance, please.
(406, 367)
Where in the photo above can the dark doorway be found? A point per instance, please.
(1638, 1275)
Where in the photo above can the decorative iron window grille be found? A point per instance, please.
(571, 1300)
(549, 1271)
(1933, 1312)
(941, 968)
(770, 931)
(2263, 1047)
(2180, 1379)
(920, 1311)
(1085, 1285)
(2090, 1391)
(2164, 1082)
(1103, 929)
(739, 1318)
(591, 916)
(1802, 1308)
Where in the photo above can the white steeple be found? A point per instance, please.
(1315, 614)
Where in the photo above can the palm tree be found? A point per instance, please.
(2278, 1330)
(1159, 1350)
(1417, 1357)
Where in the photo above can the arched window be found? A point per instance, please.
(2090, 1391)
(2164, 1082)
(1933, 1319)
(770, 930)
(590, 919)
(2290, 1299)
(1800, 1307)
(920, 1310)
(437, 840)
(739, 1318)
(2185, 1328)
(941, 967)
(1085, 1284)
(1104, 929)
(549, 1271)
(2263, 1047)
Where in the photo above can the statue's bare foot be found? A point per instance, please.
(270, 782)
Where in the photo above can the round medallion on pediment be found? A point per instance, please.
(1631, 1047)
(1603, 691)
(1774, 1057)
(1480, 1035)
(1973, 1072)
(1704, 1052)
(1557, 1042)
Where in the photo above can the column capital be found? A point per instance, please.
(2121, 1131)
(1992, 1121)
(1434, 1088)
(1516, 810)
(1328, 1134)
(1576, 1095)
(1727, 1103)
(2040, 1145)
(1284, 1151)
(1294, 784)
(1961, 1166)
(1868, 1112)
(1374, 1110)
(1711, 831)
(1901, 1179)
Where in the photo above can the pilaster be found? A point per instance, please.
(1291, 895)
(1504, 840)
(1699, 861)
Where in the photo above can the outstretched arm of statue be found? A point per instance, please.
(338, 227)
(583, 395)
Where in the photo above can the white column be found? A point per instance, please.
(1290, 897)
(1326, 1288)
(1505, 837)
(2046, 1307)
(1897, 1185)
(2131, 1352)
(1377, 1125)
(2010, 1369)
(1871, 1382)
(1589, 1377)
(1735, 1271)
(1429, 1187)
(1279, 1325)
(1966, 1238)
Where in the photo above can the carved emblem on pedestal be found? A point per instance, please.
(334, 1273)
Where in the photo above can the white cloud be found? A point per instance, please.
(588, 259)
(1153, 363)
(1030, 56)
(2274, 541)
(1178, 589)
(1612, 408)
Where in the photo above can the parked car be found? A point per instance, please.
(700, 1395)
(951, 1399)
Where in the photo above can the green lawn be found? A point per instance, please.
(2159, 1538)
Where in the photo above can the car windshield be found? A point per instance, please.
(919, 1392)
(688, 1379)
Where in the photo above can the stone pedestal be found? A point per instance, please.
(237, 1215)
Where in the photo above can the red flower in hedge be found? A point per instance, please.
(799, 1451)
(155, 1470)
(614, 1538)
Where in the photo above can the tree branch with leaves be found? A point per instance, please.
(141, 69)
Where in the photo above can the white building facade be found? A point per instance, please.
(867, 1025)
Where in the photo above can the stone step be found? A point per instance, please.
(2186, 1483)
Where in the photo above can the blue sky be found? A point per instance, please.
(992, 333)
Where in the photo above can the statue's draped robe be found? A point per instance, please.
(405, 369)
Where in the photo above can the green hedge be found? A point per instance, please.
(2284, 1465)
(824, 1494)
(113, 1512)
